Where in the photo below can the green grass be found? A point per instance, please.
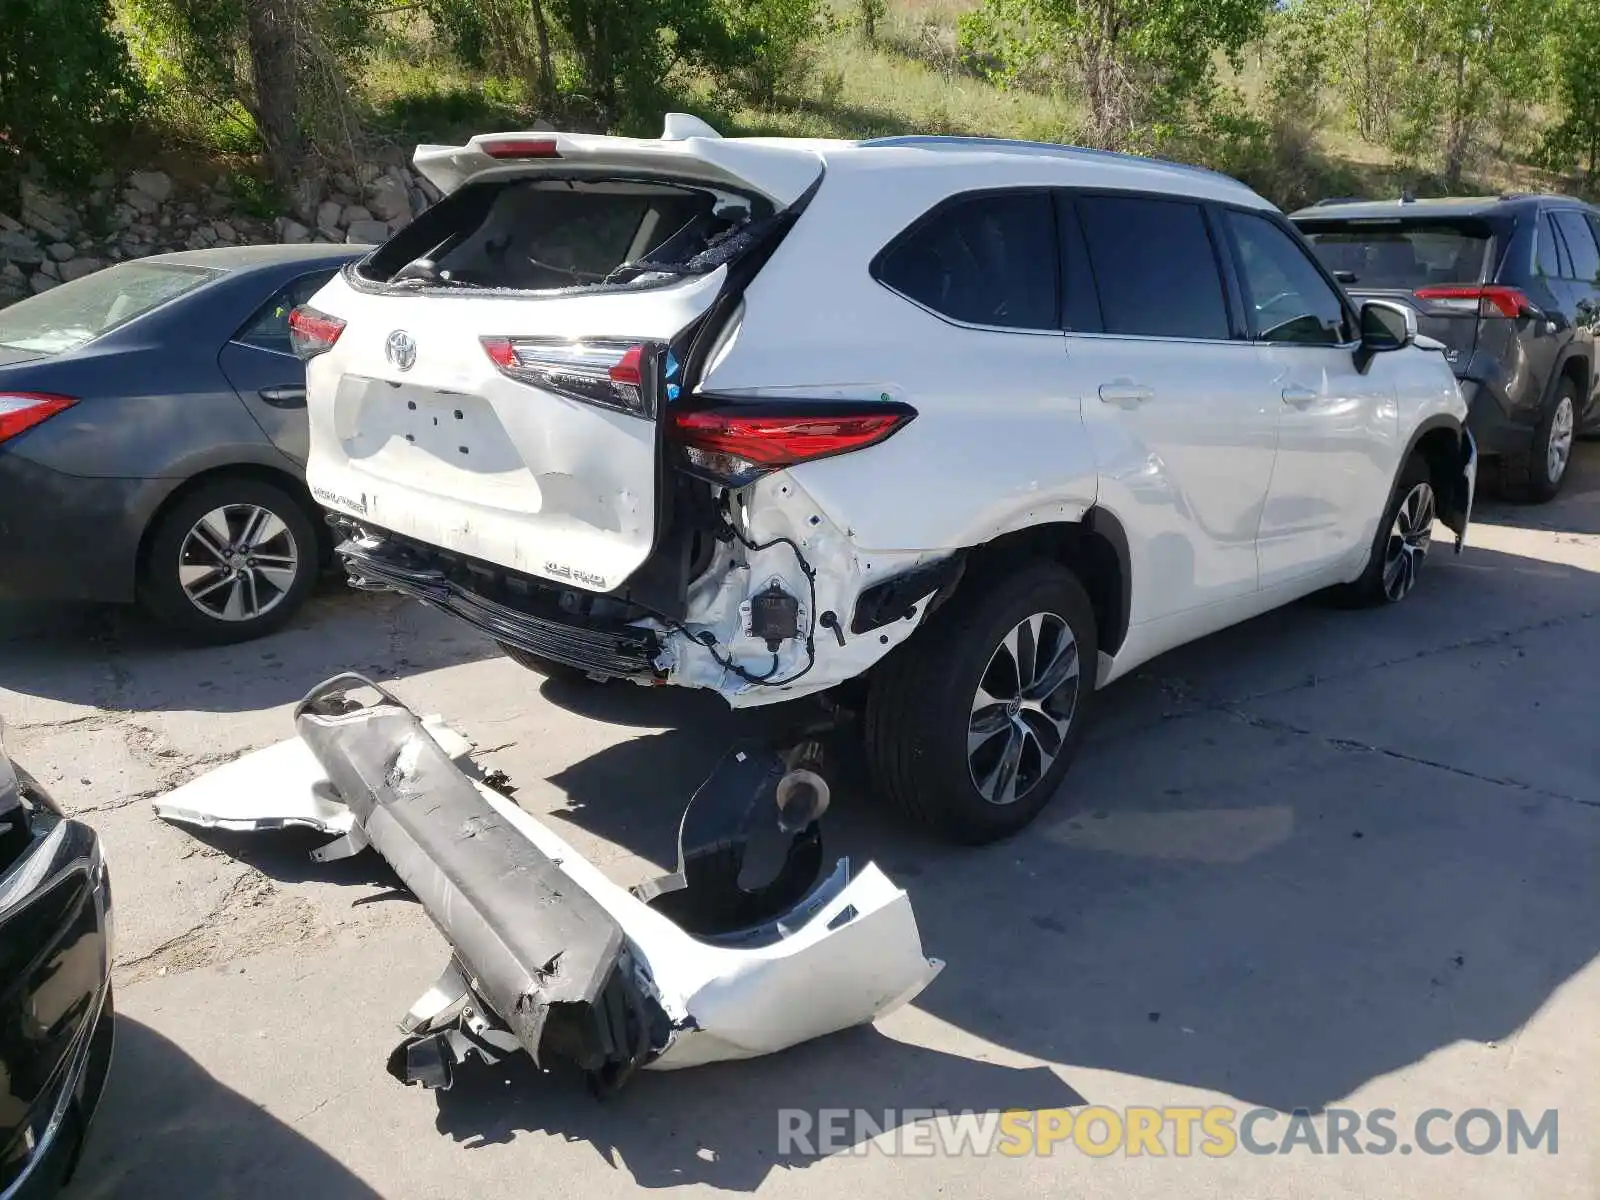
(910, 80)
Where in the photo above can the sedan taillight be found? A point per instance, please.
(20, 411)
(312, 333)
(603, 371)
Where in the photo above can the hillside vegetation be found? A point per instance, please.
(1302, 99)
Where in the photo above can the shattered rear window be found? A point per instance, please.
(556, 234)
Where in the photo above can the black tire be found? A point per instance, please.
(1371, 588)
(282, 576)
(1527, 476)
(548, 667)
(921, 705)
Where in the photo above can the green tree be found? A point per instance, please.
(66, 85)
(1145, 68)
(1575, 54)
(273, 70)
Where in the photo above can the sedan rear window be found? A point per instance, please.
(76, 313)
(1401, 255)
(555, 234)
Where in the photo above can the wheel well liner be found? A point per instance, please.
(255, 471)
(1095, 547)
(1438, 440)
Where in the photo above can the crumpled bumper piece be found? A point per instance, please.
(551, 955)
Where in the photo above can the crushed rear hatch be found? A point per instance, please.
(493, 380)
(549, 955)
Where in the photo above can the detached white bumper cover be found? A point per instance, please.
(549, 955)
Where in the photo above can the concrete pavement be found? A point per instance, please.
(1324, 860)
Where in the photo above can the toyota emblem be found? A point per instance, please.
(401, 349)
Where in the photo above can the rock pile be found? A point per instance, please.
(50, 241)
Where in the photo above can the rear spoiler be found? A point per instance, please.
(688, 148)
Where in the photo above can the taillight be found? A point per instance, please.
(735, 444)
(1487, 300)
(21, 411)
(602, 371)
(312, 333)
(520, 148)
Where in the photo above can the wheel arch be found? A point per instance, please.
(261, 473)
(1095, 547)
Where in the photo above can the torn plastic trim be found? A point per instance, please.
(551, 956)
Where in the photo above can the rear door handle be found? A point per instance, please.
(1125, 392)
(284, 397)
(1299, 397)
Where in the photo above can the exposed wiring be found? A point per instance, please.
(708, 639)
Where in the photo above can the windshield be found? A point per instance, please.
(76, 313)
(1401, 255)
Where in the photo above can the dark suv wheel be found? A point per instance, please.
(974, 741)
(1539, 474)
(231, 561)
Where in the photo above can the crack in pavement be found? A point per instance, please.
(1274, 725)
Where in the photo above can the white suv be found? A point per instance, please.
(971, 426)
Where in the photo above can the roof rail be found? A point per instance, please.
(949, 141)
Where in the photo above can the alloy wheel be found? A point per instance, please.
(238, 562)
(1023, 708)
(1409, 539)
(1559, 448)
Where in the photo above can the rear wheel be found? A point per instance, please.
(231, 561)
(972, 726)
(1539, 474)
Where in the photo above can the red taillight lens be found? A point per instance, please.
(607, 372)
(312, 333)
(735, 444)
(21, 411)
(520, 148)
(1488, 300)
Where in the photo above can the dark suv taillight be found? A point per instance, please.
(1487, 300)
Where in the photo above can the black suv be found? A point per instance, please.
(1511, 286)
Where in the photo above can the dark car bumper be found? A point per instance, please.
(56, 1013)
(66, 537)
(1499, 426)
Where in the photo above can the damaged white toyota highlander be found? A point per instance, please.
(953, 430)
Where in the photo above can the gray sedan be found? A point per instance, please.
(153, 440)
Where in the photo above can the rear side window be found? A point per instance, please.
(1582, 254)
(1154, 267)
(553, 234)
(1401, 256)
(983, 260)
(1550, 257)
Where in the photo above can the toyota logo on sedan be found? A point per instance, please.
(401, 349)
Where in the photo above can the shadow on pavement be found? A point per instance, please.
(1575, 510)
(1240, 894)
(167, 1128)
(114, 659)
(733, 1109)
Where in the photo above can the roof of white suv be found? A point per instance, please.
(783, 167)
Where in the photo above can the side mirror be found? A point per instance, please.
(1385, 326)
